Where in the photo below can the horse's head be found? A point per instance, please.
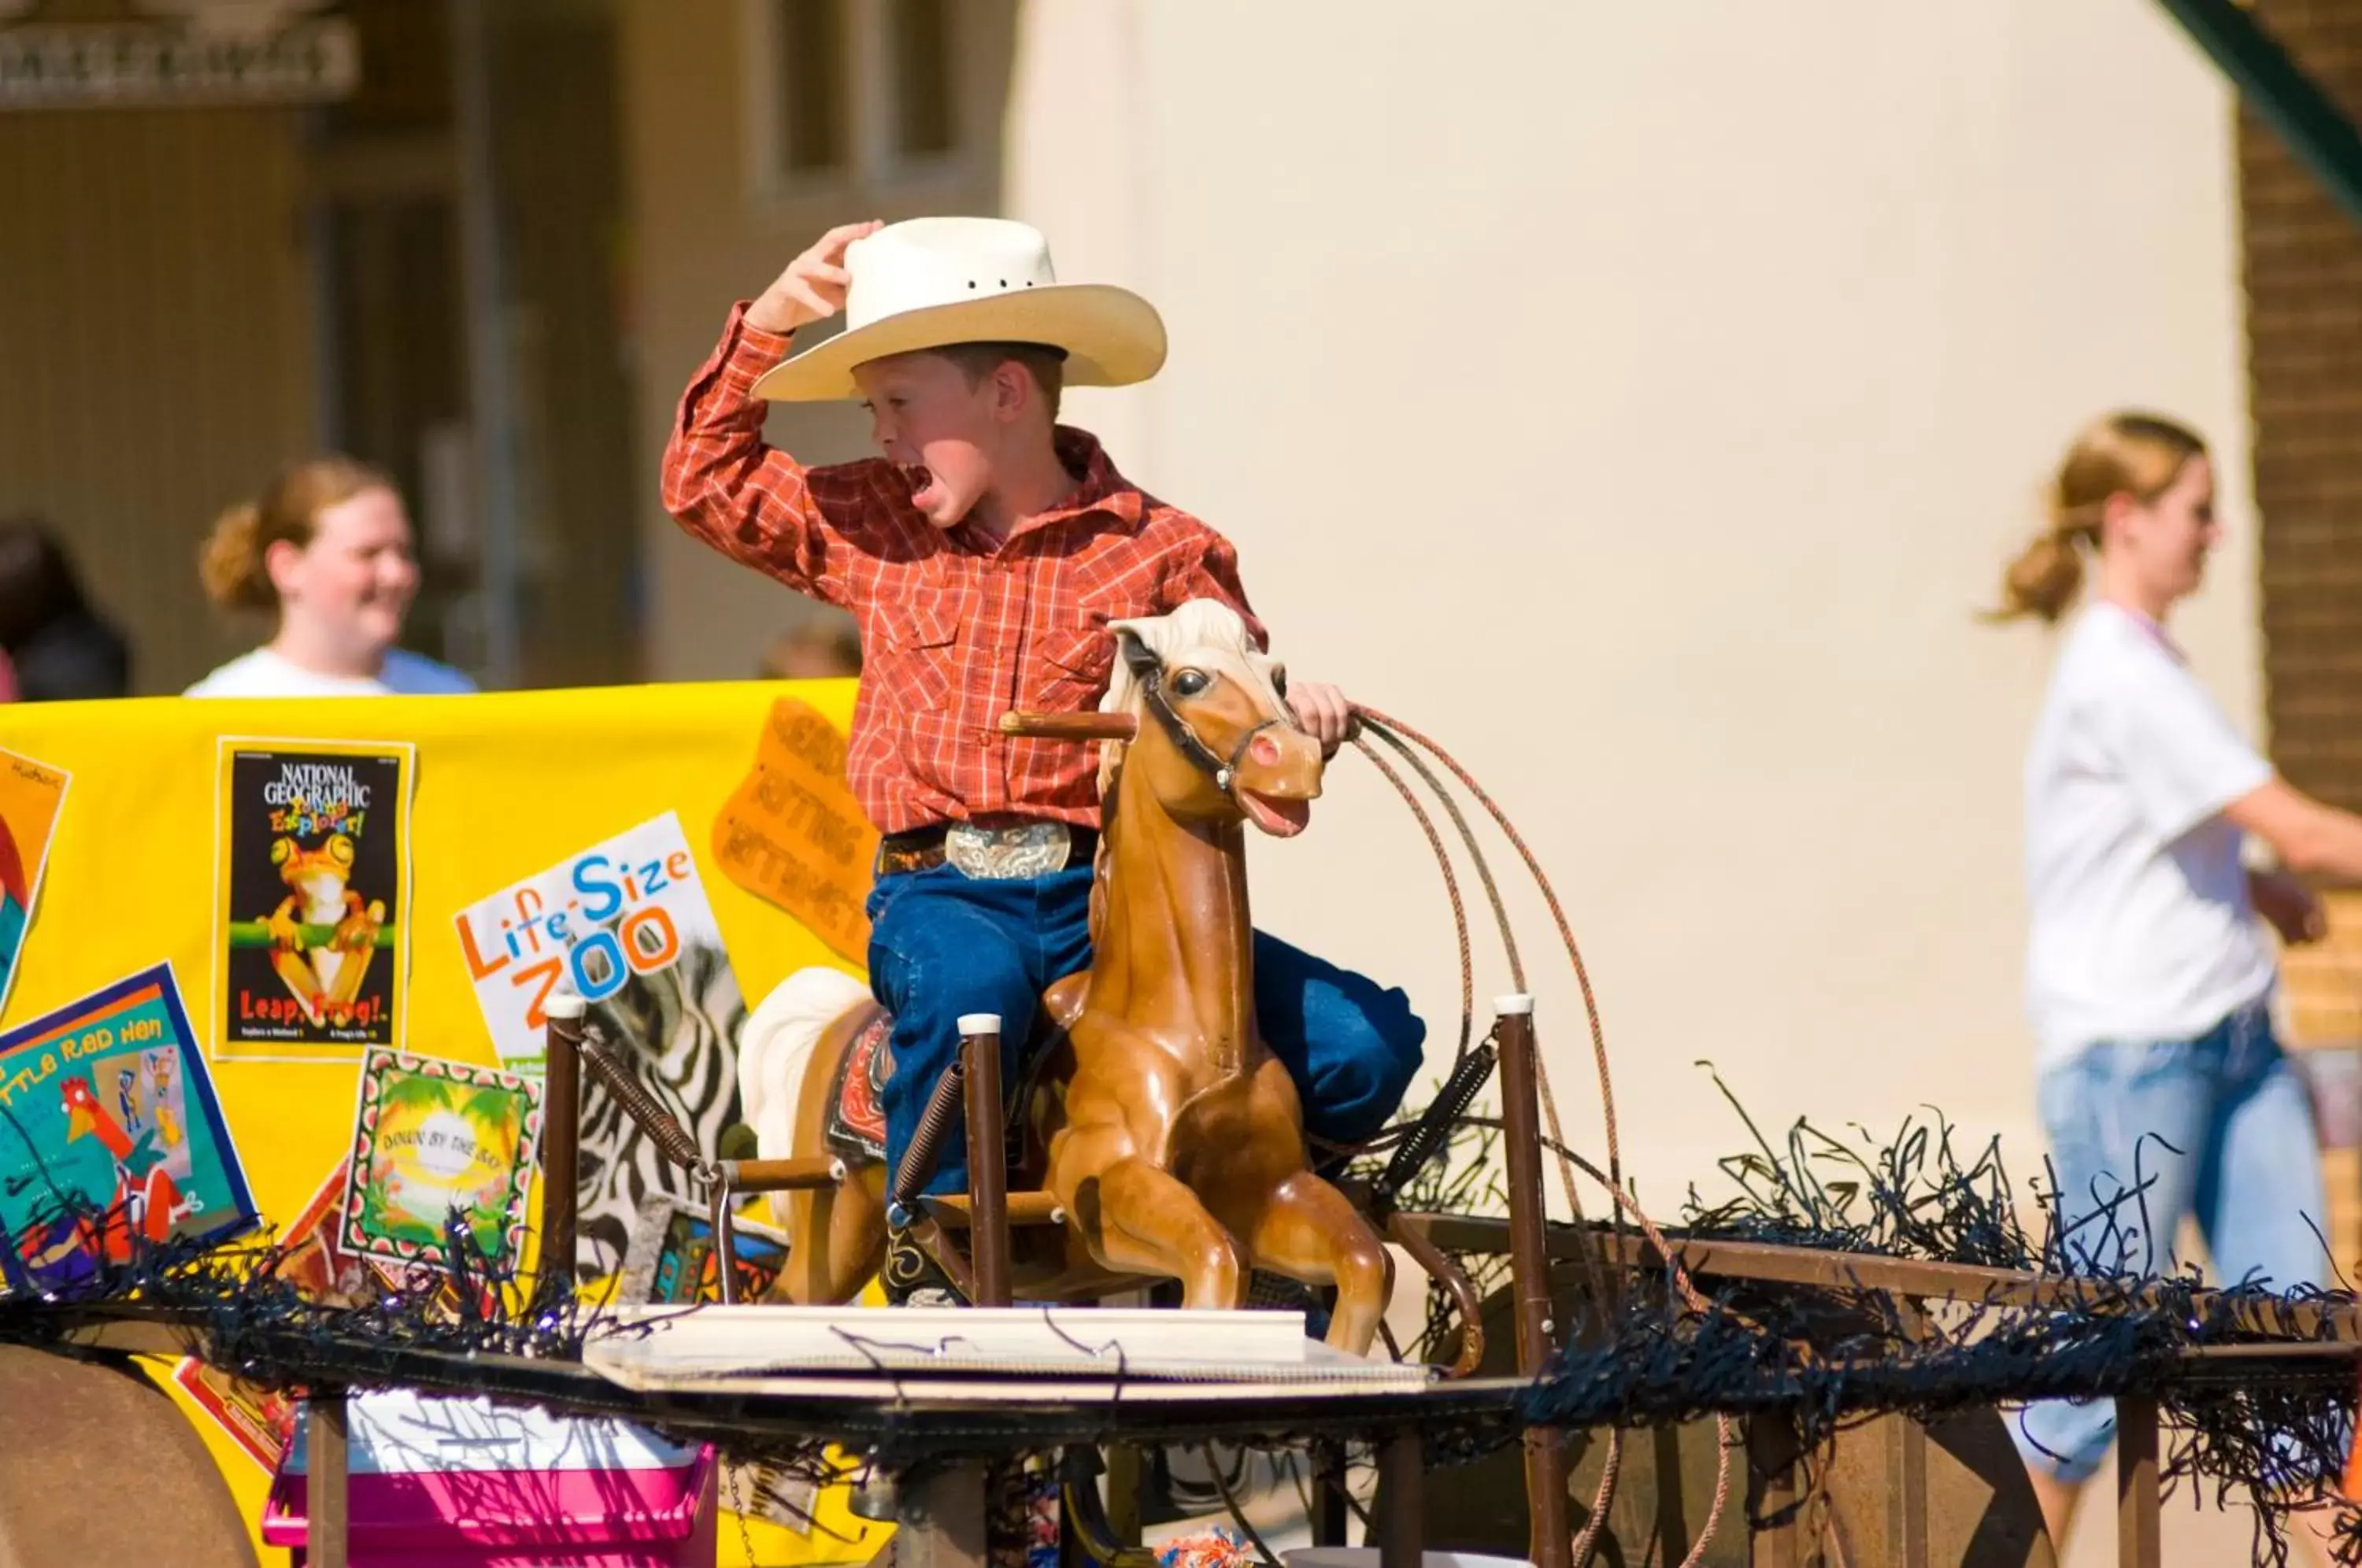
(1216, 740)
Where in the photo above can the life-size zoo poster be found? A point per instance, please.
(313, 898)
(625, 924)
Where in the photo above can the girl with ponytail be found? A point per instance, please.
(2149, 979)
(327, 549)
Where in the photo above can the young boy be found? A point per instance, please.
(984, 553)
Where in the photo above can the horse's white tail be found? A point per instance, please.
(777, 1043)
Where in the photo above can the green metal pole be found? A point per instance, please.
(2316, 130)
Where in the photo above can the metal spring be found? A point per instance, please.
(661, 1126)
(919, 1161)
(1424, 1140)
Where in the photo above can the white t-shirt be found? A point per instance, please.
(263, 673)
(2142, 927)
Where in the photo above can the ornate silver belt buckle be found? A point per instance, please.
(1007, 854)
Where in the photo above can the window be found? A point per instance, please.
(809, 62)
(847, 95)
(918, 43)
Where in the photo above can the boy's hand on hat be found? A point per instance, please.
(813, 288)
(1323, 710)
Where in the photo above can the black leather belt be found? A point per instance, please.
(1005, 851)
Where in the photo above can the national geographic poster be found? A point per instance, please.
(30, 795)
(313, 884)
(110, 1137)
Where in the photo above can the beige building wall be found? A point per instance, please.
(1640, 399)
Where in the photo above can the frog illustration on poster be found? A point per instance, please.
(313, 898)
(626, 924)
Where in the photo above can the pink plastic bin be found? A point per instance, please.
(438, 1482)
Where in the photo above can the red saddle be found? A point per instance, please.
(856, 1102)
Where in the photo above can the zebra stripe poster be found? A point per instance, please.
(626, 925)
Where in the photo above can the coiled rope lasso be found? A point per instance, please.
(1408, 745)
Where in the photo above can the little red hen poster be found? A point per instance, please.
(110, 1137)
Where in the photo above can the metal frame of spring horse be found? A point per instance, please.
(988, 1159)
(561, 1146)
(1552, 1538)
(942, 1511)
(940, 1514)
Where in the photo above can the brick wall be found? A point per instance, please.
(2303, 261)
(2303, 265)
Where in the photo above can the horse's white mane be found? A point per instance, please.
(1203, 632)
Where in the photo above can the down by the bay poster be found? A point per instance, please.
(110, 1137)
(312, 895)
(437, 1141)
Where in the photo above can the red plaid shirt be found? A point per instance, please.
(953, 633)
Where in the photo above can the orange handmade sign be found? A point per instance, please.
(793, 833)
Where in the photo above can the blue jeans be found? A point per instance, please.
(2243, 1159)
(941, 944)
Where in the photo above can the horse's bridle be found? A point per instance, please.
(1149, 670)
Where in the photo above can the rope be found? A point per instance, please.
(1450, 888)
(1593, 1274)
(1566, 935)
(1419, 764)
(1370, 725)
(1394, 734)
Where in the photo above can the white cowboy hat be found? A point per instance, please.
(932, 283)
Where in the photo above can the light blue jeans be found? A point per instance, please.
(2219, 1127)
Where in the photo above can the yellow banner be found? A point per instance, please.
(502, 788)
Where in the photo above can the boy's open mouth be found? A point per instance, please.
(921, 480)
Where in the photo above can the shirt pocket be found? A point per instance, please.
(923, 649)
(1078, 651)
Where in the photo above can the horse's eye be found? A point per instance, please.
(1279, 680)
(1191, 684)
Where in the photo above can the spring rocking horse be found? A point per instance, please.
(1155, 1124)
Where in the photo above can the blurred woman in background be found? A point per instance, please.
(327, 549)
(2149, 979)
(58, 648)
